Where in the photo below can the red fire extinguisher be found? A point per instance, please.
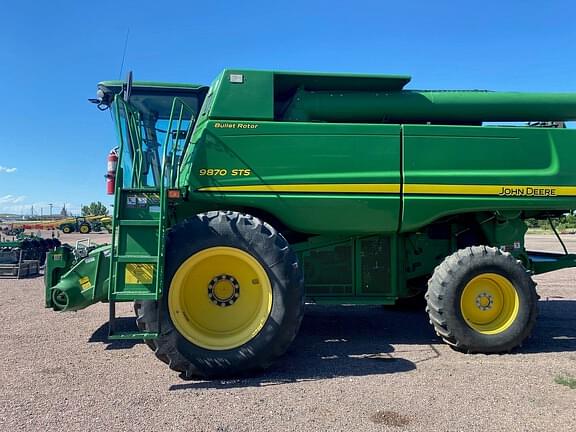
(111, 171)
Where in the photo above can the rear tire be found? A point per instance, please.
(482, 300)
(218, 254)
(84, 228)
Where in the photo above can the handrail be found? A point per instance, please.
(173, 138)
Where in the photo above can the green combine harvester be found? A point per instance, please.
(238, 202)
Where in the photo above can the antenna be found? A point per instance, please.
(124, 52)
(127, 87)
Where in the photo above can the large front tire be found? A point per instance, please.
(233, 297)
(482, 300)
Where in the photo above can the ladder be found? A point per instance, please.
(137, 257)
(140, 221)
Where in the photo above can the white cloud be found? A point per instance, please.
(15, 209)
(7, 170)
(12, 204)
(12, 199)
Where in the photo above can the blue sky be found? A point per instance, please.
(53, 143)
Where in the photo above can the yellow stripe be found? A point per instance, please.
(500, 190)
(368, 188)
(414, 189)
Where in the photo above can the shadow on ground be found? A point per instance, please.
(555, 329)
(340, 341)
(122, 324)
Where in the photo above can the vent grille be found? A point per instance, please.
(328, 270)
(375, 253)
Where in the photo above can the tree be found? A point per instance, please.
(94, 209)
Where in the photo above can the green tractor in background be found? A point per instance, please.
(238, 202)
(86, 225)
(79, 224)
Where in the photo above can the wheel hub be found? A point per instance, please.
(489, 303)
(205, 303)
(223, 290)
(484, 301)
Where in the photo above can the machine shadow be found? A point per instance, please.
(341, 341)
(100, 335)
(555, 330)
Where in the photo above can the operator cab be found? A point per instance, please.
(154, 123)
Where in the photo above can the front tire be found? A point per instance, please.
(233, 297)
(481, 300)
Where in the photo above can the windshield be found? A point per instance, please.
(154, 128)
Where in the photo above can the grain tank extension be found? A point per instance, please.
(237, 202)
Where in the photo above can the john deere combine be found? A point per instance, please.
(236, 203)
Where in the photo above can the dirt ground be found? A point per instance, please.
(350, 368)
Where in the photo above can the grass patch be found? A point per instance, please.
(566, 380)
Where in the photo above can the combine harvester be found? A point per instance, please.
(238, 202)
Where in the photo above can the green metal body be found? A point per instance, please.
(373, 185)
(72, 284)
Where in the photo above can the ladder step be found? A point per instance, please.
(133, 295)
(113, 334)
(137, 259)
(133, 335)
(139, 222)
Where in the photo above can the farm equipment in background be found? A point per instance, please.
(100, 223)
(12, 230)
(47, 224)
(236, 203)
(79, 224)
(86, 224)
(23, 256)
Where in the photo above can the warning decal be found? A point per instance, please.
(139, 274)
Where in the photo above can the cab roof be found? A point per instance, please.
(116, 85)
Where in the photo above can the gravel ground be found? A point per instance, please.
(350, 368)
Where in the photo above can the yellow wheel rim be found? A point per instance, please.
(66, 230)
(489, 303)
(84, 229)
(220, 298)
